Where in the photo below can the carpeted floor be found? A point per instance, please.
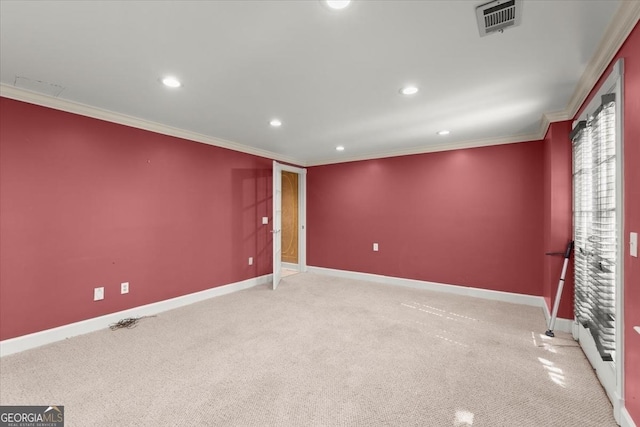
(318, 351)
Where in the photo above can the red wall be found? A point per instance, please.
(466, 217)
(558, 215)
(631, 53)
(87, 203)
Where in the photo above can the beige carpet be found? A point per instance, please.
(318, 351)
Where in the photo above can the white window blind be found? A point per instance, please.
(595, 225)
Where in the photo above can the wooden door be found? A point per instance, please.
(289, 217)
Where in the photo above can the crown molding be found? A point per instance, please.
(621, 25)
(23, 95)
(476, 143)
(557, 116)
(545, 122)
(623, 22)
(35, 98)
(126, 120)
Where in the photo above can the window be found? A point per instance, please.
(595, 225)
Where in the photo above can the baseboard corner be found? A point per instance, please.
(625, 418)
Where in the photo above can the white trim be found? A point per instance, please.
(514, 139)
(276, 223)
(510, 297)
(575, 330)
(605, 371)
(614, 386)
(37, 339)
(621, 25)
(608, 86)
(302, 214)
(620, 311)
(557, 116)
(23, 95)
(625, 418)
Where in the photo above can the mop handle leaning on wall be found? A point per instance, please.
(552, 320)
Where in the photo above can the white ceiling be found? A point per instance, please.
(332, 77)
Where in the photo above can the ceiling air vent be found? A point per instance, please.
(497, 15)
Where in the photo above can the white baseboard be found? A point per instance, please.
(563, 325)
(532, 300)
(37, 339)
(625, 418)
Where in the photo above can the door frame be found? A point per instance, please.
(302, 213)
(276, 226)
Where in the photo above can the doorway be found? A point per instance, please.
(294, 243)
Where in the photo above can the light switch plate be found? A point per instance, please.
(633, 244)
(265, 220)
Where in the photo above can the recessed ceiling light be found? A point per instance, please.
(340, 148)
(444, 132)
(171, 82)
(275, 123)
(338, 4)
(409, 90)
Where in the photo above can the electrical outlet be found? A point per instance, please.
(250, 260)
(633, 244)
(375, 247)
(124, 287)
(98, 294)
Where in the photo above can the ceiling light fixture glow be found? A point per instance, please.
(409, 90)
(275, 123)
(444, 132)
(339, 148)
(171, 82)
(338, 4)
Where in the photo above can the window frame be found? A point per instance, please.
(610, 374)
